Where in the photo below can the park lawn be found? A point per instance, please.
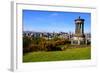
(69, 54)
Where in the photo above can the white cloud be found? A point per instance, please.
(54, 14)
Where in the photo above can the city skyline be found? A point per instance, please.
(53, 21)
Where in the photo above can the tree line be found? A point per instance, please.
(41, 44)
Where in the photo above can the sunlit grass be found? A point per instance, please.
(68, 54)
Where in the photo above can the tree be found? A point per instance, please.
(26, 43)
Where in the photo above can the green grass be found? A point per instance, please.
(69, 54)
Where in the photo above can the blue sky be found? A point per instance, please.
(52, 21)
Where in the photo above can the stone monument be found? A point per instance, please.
(79, 37)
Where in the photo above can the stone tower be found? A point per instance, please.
(79, 26)
(79, 37)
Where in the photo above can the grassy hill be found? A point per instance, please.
(68, 54)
